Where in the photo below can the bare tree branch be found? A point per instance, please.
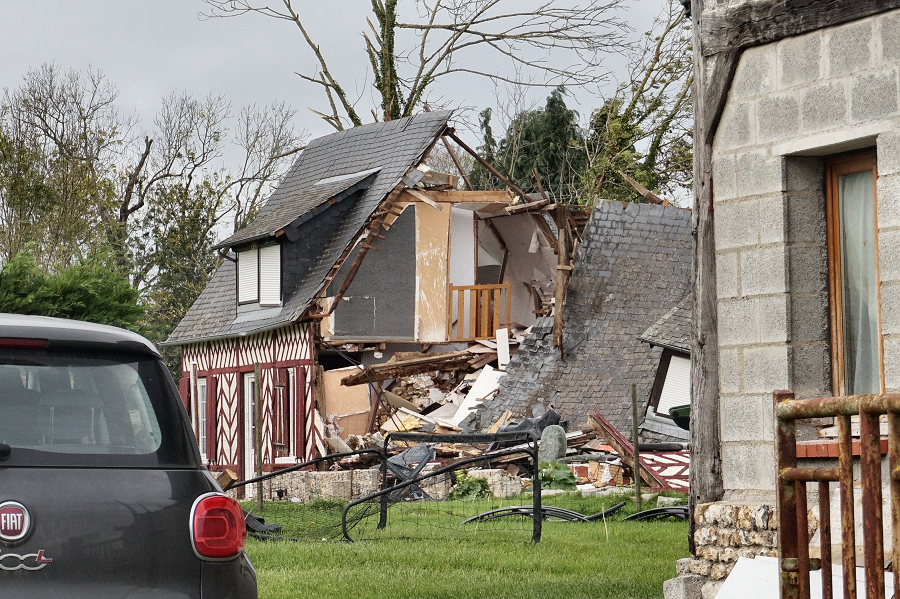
(447, 38)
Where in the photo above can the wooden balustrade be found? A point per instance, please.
(477, 311)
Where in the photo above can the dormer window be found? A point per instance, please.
(259, 275)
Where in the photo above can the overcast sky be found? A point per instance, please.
(150, 48)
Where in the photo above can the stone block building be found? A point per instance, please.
(797, 150)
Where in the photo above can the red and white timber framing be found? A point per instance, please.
(286, 358)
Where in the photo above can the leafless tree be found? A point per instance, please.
(76, 176)
(550, 43)
(648, 123)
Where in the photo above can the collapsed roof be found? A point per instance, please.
(366, 163)
(633, 267)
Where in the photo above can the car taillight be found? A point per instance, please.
(17, 343)
(218, 531)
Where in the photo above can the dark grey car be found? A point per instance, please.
(102, 491)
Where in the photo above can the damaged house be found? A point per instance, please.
(632, 269)
(362, 252)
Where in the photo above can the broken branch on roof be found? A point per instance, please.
(392, 370)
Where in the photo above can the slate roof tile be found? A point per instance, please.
(393, 147)
(611, 299)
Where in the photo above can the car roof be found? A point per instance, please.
(64, 332)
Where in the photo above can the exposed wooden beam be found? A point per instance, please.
(456, 163)
(458, 197)
(487, 165)
(644, 192)
(706, 482)
(520, 208)
(390, 370)
(423, 197)
(762, 22)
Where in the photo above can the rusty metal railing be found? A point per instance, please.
(793, 527)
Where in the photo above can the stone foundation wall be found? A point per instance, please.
(348, 485)
(727, 531)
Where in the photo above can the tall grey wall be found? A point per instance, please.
(791, 104)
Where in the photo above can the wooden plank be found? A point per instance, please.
(450, 312)
(388, 370)
(763, 22)
(496, 320)
(452, 135)
(473, 313)
(460, 314)
(485, 309)
(519, 209)
(504, 418)
(461, 196)
(456, 163)
(508, 303)
(423, 197)
(623, 447)
(562, 280)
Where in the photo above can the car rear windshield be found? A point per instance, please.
(67, 407)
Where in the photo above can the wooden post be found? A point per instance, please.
(637, 452)
(562, 278)
(706, 461)
(257, 437)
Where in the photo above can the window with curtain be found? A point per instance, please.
(853, 269)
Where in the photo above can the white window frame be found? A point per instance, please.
(201, 415)
(249, 447)
(291, 457)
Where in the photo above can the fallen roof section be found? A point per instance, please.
(672, 331)
(632, 268)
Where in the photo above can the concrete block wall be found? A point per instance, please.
(791, 104)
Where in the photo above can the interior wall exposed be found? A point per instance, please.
(432, 263)
(380, 303)
(531, 262)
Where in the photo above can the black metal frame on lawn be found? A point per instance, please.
(483, 438)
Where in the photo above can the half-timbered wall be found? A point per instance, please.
(285, 356)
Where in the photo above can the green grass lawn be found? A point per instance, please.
(425, 553)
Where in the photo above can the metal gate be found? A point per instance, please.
(793, 527)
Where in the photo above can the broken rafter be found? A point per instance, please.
(644, 192)
(624, 448)
(452, 135)
(374, 227)
(423, 198)
(392, 370)
(518, 209)
(456, 163)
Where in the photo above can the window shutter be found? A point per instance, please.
(677, 388)
(248, 276)
(270, 275)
